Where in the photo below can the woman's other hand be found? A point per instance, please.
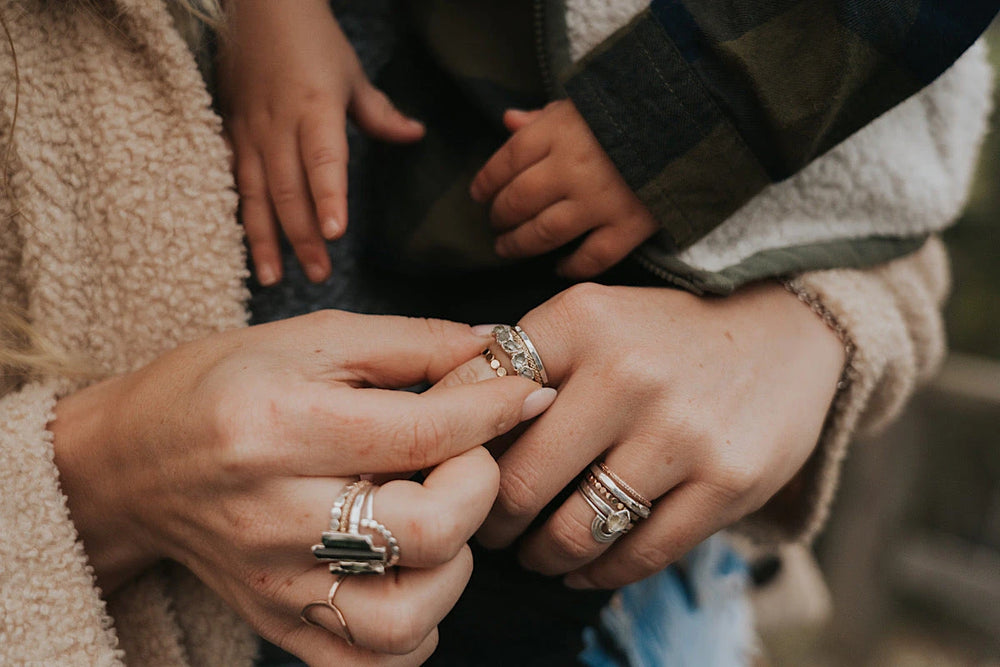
(706, 406)
(227, 453)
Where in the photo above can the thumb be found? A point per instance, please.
(376, 115)
(515, 119)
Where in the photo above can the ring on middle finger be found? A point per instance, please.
(349, 545)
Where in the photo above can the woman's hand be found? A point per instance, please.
(706, 406)
(288, 78)
(227, 453)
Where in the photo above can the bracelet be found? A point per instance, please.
(848, 373)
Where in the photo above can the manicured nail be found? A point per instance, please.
(577, 581)
(537, 402)
(330, 228)
(266, 275)
(484, 329)
(316, 272)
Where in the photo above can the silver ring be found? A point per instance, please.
(349, 545)
(640, 509)
(523, 356)
(534, 354)
(609, 524)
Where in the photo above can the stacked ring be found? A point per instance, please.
(617, 505)
(349, 545)
(514, 341)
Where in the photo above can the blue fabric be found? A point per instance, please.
(694, 614)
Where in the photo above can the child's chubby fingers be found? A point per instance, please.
(603, 248)
(554, 227)
(258, 220)
(532, 191)
(287, 185)
(523, 149)
(515, 119)
(375, 113)
(323, 145)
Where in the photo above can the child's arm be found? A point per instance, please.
(289, 77)
(551, 183)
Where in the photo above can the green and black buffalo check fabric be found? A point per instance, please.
(703, 103)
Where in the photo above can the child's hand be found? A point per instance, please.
(288, 78)
(552, 182)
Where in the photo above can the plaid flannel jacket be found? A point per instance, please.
(703, 103)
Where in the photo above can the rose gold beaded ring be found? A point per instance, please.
(618, 507)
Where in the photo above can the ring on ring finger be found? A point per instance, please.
(617, 506)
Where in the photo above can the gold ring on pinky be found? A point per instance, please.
(328, 603)
(524, 359)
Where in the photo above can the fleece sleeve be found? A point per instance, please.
(892, 316)
(701, 106)
(50, 609)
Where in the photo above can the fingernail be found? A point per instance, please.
(330, 228)
(266, 275)
(501, 248)
(484, 329)
(537, 402)
(316, 272)
(577, 581)
(475, 192)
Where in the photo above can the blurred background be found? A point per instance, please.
(912, 553)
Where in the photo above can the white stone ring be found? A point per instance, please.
(617, 505)
(524, 359)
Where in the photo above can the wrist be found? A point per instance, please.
(94, 478)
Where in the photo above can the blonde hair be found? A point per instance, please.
(24, 352)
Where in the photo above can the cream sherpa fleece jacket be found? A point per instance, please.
(120, 240)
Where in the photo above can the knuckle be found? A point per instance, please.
(464, 374)
(571, 540)
(324, 157)
(587, 301)
(646, 559)
(285, 193)
(416, 444)
(249, 181)
(441, 330)
(442, 539)
(734, 481)
(326, 319)
(595, 256)
(406, 631)
(517, 149)
(512, 203)
(548, 229)
(516, 496)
